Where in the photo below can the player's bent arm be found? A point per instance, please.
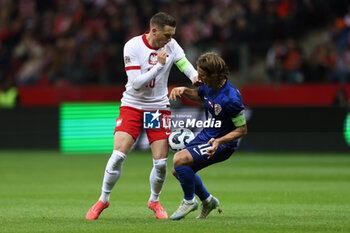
(233, 135)
(240, 131)
(139, 80)
(191, 94)
(230, 137)
(187, 68)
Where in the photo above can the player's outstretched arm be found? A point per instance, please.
(191, 94)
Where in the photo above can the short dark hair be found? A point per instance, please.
(213, 65)
(161, 19)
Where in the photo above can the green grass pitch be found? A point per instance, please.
(260, 192)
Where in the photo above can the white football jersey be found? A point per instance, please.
(139, 55)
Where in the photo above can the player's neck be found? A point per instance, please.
(151, 40)
(220, 85)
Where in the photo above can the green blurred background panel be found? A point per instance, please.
(87, 127)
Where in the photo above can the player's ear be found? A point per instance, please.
(153, 29)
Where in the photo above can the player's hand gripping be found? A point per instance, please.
(162, 55)
(176, 92)
(196, 81)
(215, 144)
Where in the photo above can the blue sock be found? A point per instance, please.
(186, 177)
(200, 190)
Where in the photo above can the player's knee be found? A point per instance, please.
(160, 156)
(116, 160)
(122, 148)
(177, 160)
(160, 165)
(180, 159)
(123, 142)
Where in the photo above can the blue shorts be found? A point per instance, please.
(198, 147)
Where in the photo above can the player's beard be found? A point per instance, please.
(162, 44)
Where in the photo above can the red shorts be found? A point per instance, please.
(131, 121)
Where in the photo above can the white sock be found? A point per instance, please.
(190, 201)
(157, 178)
(112, 173)
(208, 199)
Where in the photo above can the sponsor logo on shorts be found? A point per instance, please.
(119, 122)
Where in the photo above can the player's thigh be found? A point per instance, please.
(201, 161)
(129, 121)
(160, 149)
(123, 141)
(183, 158)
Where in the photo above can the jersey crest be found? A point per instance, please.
(217, 109)
(153, 59)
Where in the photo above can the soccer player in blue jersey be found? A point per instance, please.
(223, 102)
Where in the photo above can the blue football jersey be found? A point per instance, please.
(222, 105)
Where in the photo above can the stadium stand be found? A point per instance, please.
(56, 45)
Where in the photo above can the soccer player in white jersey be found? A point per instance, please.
(148, 59)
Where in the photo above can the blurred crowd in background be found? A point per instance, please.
(81, 41)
